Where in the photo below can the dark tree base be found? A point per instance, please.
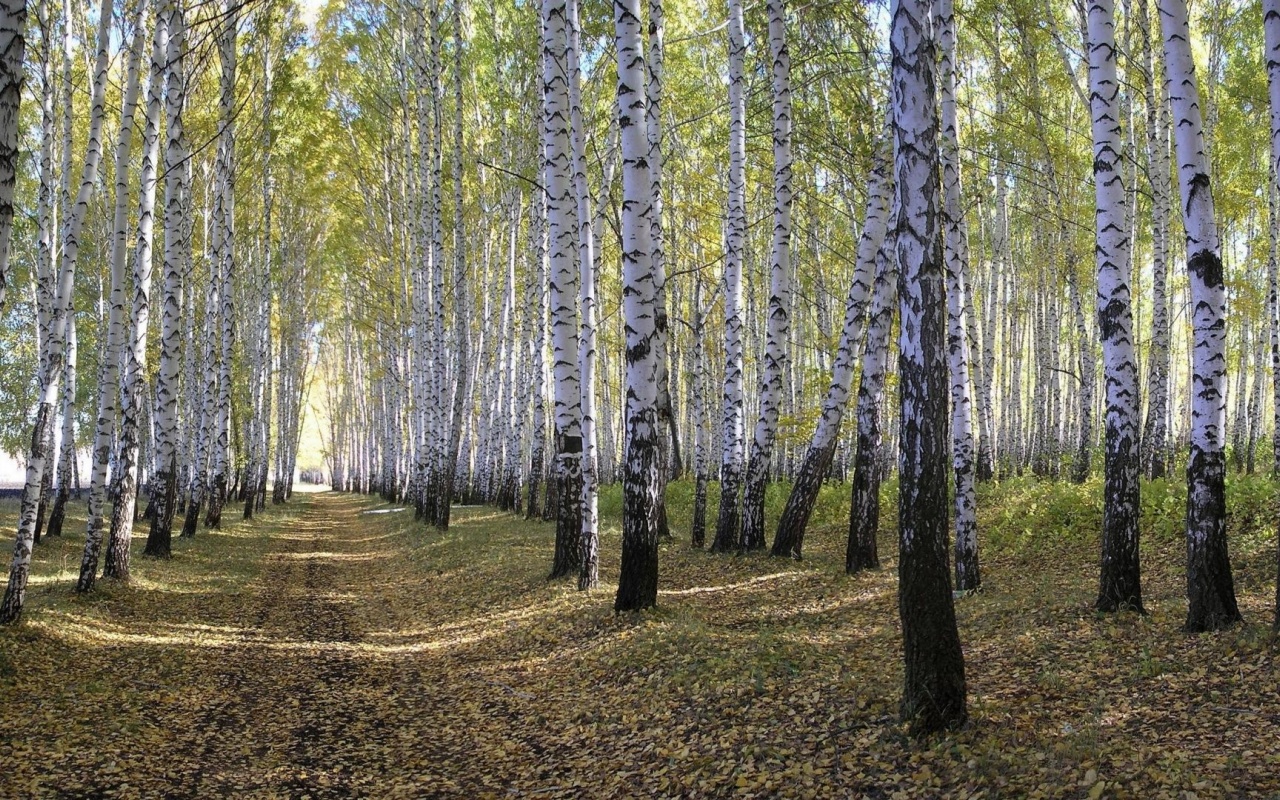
(59, 513)
(789, 539)
(753, 503)
(1211, 596)
(192, 520)
(568, 555)
(700, 512)
(729, 520)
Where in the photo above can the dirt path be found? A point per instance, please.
(335, 648)
(296, 683)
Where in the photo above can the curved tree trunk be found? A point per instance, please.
(20, 568)
(864, 508)
(789, 538)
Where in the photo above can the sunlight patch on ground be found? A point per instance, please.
(728, 587)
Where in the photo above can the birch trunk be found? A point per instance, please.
(779, 320)
(589, 538)
(934, 692)
(461, 313)
(20, 569)
(13, 44)
(1271, 25)
(226, 172)
(1120, 584)
(1210, 589)
(638, 578)
(67, 449)
(864, 509)
(135, 361)
(729, 520)
(968, 577)
(1155, 434)
(789, 539)
(563, 235)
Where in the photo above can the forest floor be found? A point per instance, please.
(334, 648)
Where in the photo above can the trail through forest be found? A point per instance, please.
(334, 648)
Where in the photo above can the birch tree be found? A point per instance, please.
(13, 44)
(1210, 589)
(1120, 582)
(864, 507)
(638, 578)
(779, 321)
(956, 256)
(19, 571)
(224, 217)
(789, 539)
(562, 236)
(135, 355)
(933, 696)
(1271, 31)
(729, 520)
(589, 544)
(1155, 432)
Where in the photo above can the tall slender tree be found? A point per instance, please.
(1155, 433)
(176, 254)
(73, 222)
(955, 252)
(638, 578)
(864, 507)
(729, 520)
(779, 319)
(589, 544)
(224, 217)
(789, 538)
(1120, 584)
(934, 691)
(1210, 590)
(135, 355)
(562, 237)
(1271, 32)
(13, 45)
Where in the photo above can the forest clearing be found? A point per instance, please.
(336, 651)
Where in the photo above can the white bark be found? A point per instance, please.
(779, 307)
(109, 375)
(19, 571)
(589, 546)
(729, 521)
(955, 253)
(13, 25)
(1210, 589)
(638, 580)
(1120, 585)
(562, 238)
(135, 361)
